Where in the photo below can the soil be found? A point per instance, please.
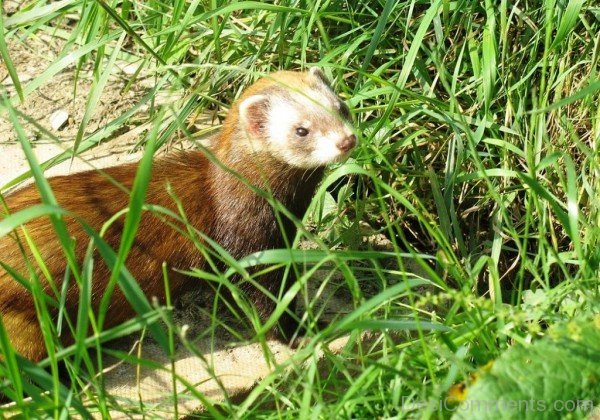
(67, 92)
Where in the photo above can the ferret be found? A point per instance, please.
(278, 136)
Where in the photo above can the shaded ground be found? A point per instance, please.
(67, 93)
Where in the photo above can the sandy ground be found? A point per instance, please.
(214, 366)
(58, 95)
(218, 369)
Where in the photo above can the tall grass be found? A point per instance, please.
(479, 129)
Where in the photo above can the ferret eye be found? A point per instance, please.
(301, 132)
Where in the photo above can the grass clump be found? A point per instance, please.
(478, 166)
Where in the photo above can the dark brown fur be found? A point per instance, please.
(215, 202)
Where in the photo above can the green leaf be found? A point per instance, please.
(120, 275)
(589, 90)
(8, 62)
(38, 12)
(546, 379)
(382, 21)
(14, 220)
(94, 95)
(568, 21)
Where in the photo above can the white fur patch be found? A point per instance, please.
(282, 117)
(314, 110)
(326, 150)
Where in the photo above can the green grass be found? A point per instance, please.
(479, 161)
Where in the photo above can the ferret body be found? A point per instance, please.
(279, 135)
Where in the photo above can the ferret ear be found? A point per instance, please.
(253, 114)
(318, 73)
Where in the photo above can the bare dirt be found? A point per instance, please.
(65, 92)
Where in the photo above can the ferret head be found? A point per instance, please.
(297, 118)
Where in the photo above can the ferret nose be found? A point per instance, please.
(347, 143)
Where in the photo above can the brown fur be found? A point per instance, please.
(215, 202)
